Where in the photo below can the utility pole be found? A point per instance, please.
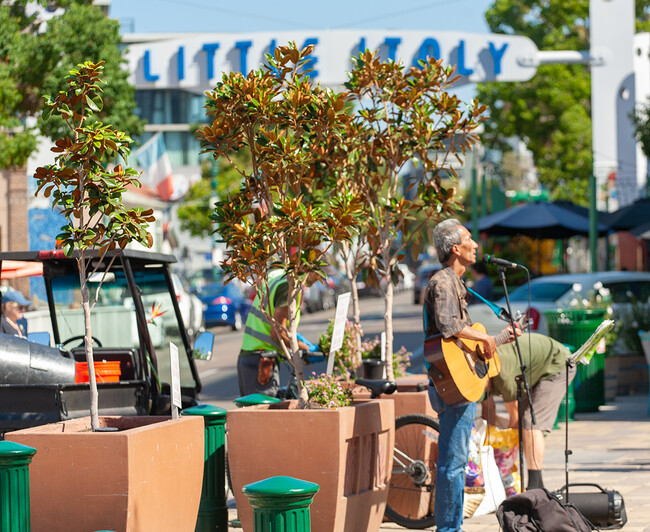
(593, 223)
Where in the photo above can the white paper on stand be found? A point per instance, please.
(338, 330)
(176, 380)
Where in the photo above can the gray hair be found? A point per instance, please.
(446, 235)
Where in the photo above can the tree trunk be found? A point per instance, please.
(388, 326)
(296, 360)
(88, 344)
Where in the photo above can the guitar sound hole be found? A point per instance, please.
(481, 368)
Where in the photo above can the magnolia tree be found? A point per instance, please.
(403, 114)
(88, 194)
(276, 221)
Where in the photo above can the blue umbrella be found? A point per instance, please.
(631, 216)
(539, 219)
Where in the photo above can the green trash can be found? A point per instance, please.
(281, 504)
(14, 486)
(574, 327)
(213, 510)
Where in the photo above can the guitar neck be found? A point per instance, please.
(504, 336)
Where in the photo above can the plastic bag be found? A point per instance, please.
(473, 470)
(506, 454)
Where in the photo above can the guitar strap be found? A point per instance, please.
(494, 308)
(429, 342)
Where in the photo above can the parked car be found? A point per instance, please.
(407, 280)
(224, 304)
(323, 295)
(422, 276)
(190, 306)
(555, 291)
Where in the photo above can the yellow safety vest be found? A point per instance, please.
(257, 333)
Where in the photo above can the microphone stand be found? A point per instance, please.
(521, 380)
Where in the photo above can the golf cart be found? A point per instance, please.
(135, 318)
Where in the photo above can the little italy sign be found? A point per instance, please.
(197, 61)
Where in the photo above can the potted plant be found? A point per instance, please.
(109, 472)
(346, 450)
(278, 220)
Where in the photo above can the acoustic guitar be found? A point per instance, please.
(458, 368)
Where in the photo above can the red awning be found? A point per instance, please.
(14, 269)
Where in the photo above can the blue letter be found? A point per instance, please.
(362, 45)
(311, 59)
(180, 62)
(497, 55)
(462, 69)
(429, 48)
(272, 46)
(210, 49)
(243, 47)
(148, 76)
(391, 43)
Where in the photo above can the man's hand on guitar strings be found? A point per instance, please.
(517, 330)
(490, 347)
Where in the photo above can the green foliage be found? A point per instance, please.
(194, 212)
(403, 114)
(34, 60)
(327, 391)
(89, 195)
(346, 359)
(642, 127)
(351, 354)
(551, 111)
(632, 318)
(290, 128)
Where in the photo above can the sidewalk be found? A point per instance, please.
(610, 447)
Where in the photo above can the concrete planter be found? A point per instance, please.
(347, 451)
(411, 396)
(145, 476)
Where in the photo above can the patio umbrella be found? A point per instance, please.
(539, 219)
(601, 216)
(631, 216)
(642, 231)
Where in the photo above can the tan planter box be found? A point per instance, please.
(348, 452)
(146, 476)
(409, 397)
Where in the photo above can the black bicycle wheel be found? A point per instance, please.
(412, 484)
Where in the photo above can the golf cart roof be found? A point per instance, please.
(137, 258)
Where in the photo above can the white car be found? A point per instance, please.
(155, 296)
(556, 291)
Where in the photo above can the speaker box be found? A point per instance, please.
(605, 509)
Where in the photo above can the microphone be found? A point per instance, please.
(490, 259)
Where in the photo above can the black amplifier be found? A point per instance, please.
(605, 509)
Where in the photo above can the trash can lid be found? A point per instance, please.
(256, 399)
(11, 448)
(205, 410)
(282, 486)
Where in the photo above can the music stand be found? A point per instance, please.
(584, 353)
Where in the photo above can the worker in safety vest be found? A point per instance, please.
(257, 369)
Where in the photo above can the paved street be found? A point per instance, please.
(219, 375)
(610, 447)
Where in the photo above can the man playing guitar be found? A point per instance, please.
(445, 313)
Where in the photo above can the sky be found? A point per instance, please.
(144, 16)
